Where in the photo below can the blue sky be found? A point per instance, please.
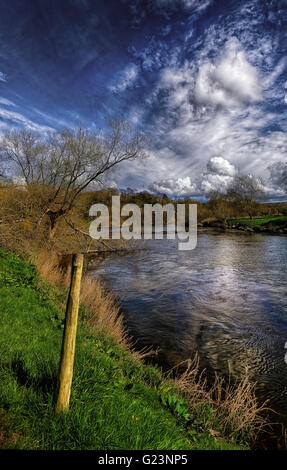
(206, 80)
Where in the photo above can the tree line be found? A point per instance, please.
(61, 171)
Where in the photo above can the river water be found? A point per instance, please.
(225, 300)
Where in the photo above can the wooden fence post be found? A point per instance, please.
(69, 336)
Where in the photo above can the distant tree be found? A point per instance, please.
(130, 191)
(220, 206)
(245, 191)
(59, 166)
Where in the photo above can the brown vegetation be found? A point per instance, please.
(57, 168)
(235, 407)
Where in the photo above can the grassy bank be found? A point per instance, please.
(258, 221)
(117, 401)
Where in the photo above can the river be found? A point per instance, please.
(226, 300)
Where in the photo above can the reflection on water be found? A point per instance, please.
(227, 300)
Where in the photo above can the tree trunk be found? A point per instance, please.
(54, 217)
(52, 229)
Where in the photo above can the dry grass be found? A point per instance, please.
(238, 406)
(237, 412)
(47, 263)
(103, 311)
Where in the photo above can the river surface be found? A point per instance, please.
(225, 300)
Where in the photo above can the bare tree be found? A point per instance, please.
(245, 191)
(221, 207)
(58, 167)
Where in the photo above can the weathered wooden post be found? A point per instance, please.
(69, 336)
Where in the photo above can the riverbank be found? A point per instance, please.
(117, 401)
(269, 225)
(225, 301)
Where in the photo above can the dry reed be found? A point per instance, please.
(235, 406)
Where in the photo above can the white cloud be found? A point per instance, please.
(2, 77)
(165, 7)
(126, 79)
(215, 107)
(199, 87)
(140, 9)
(213, 182)
(218, 175)
(6, 102)
(18, 119)
(220, 166)
(231, 81)
(174, 187)
(183, 3)
(215, 112)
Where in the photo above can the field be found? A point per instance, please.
(256, 221)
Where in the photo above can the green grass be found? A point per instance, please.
(116, 402)
(256, 221)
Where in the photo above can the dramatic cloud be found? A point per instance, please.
(278, 175)
(218, 175)
(229, 82)
(220, 101)
(206, 82)
(220, 166)
(174, 187)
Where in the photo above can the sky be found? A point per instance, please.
(205, 80)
